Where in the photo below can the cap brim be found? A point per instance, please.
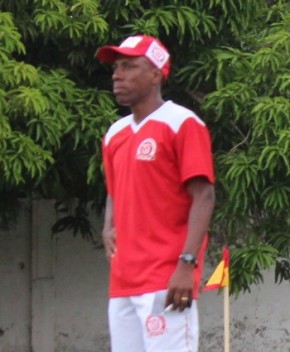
(108, 54)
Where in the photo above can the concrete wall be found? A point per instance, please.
(15, 279)
(53, 296)
(260, 320)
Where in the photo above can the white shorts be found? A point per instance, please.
(138, 325)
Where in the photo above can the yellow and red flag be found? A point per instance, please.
(220, 276)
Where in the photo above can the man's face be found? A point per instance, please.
(133, 79)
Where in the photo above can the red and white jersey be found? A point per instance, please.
(146, 166)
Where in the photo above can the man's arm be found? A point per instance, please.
(181, 282)
(108, 232)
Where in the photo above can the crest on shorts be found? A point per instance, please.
(147, 150)
(155, 325)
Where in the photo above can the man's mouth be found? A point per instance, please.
(118, 90)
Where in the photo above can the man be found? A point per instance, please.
(159, 174)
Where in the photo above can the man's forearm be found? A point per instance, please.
(109, 217)
(200, 213)
(109, 235)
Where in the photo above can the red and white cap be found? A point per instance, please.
(139, 45)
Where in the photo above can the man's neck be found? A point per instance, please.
(140, 112)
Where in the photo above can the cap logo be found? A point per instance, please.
(157, 54)
(130, 42)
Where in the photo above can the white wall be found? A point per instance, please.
(53, 297)
(81, 282)
(260, 320)
(15, 286)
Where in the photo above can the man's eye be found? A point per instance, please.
(129, 66)
(124, 66)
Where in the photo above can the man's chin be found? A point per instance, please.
(123, 101)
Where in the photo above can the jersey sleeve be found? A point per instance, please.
(193, 147)
(108, 169)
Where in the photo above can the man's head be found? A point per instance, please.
(136, 46)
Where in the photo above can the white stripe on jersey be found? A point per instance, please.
(169, 113)
(174, 115)
(117, 127)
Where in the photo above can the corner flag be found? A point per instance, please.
(220, 277)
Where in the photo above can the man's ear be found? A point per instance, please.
(158, 77)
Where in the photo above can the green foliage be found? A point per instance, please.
(230, 63)
(9, 36)
(52, 117)
(251, 105)
(247, 262)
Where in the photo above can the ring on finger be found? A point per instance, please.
(184, 299)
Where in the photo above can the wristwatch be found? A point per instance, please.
(188, 258)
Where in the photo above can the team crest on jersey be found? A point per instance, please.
(155, 325)
(147, 150)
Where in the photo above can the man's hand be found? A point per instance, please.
(109, 239)
(180, 287)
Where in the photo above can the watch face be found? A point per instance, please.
(188, 257)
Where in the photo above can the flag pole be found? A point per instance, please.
(220, 279)
(226, 318)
